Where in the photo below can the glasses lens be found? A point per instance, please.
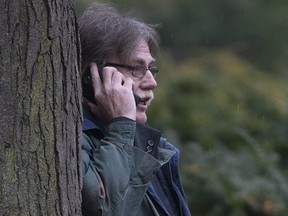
(154, 70)
(139, 71)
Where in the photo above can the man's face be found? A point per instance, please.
(142, 86)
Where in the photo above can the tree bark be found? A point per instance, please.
(40, 108)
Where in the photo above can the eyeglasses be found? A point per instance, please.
(138, 71)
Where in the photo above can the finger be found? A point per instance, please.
(128, 82)
(107, 74)
(118, 78)
(96, 80)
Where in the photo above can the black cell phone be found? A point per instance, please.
(87, 86)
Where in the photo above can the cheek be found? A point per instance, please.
(136, 86)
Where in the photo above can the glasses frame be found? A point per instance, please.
(153, 69)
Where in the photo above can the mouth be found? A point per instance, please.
(145, 100)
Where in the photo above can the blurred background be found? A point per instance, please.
(222, 99)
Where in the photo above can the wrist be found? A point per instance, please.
(120, 118)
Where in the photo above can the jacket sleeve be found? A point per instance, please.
(115, 173)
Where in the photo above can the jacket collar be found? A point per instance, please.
(91, 123)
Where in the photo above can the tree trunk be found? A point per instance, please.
(40, 108)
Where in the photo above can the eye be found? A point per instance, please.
(139, 71)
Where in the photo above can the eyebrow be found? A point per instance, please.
(142, 62)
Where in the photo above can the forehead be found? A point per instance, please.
(142, 54)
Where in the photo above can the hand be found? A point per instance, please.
(114, 94)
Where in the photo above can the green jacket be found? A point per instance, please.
(116, 174)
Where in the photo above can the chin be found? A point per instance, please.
(141, 118)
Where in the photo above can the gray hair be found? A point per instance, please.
(104, 31)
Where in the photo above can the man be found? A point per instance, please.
(128, 169)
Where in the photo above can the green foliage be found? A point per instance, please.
(231, 121)
(217, 91)
(243, 182)
(255, 29)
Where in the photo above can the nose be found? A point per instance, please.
(148, 82)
